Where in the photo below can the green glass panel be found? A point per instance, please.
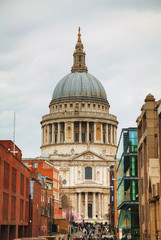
(133, 190)
(133, 165)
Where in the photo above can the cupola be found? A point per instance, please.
(79, 56)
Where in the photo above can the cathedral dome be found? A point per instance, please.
(79, 85)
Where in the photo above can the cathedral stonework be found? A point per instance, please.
(79, 137)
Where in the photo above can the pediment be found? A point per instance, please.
(88, 156)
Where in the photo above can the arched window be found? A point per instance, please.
(88, 173)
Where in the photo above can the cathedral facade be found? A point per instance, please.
(79, 137)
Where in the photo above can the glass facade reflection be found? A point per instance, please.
(127, 182)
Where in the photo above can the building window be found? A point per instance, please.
(65, 105)
(26, 211)
(98, 106)
(35, 165)
(88, 105)
(55, 138)
(83, 105)
(6, 175)
(102, 107)
(60, 106)
(21, 209)
(88, 173)
(76, 137)
(13, 208)
(79, 58)
(94, 105)
(14, 176)
(5, 206)
(83, 137)
(71, 105)
(22, 184)
(27, 187)
(64, 181)
(104, 138)
(90, 137)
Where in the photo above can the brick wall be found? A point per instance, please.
(13, 200)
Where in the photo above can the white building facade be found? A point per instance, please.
(79, 136)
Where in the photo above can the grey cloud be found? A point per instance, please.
(122, 44)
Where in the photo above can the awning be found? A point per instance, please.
(124, 219)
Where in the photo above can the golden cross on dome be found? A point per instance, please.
(79, 35)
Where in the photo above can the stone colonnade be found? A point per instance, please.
(96, 202)
(79, 131)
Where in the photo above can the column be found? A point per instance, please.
(42, 132)
(102, 205)
(65, 129)
(72, 131)
(106, 140)
(94, 205)
(111, 134)
(53, 134)
(86, 205)
(80, 132)
(99, 205)
(76, 210)
(94, 132)
(115, 135)
(45, 137)
(58, 133)
(48, 133)
(87, 132)
(79, 206)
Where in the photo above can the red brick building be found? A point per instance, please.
(39, 165)
(35, 208)
(14, 193)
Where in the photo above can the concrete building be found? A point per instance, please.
(79, 135)
(149, 159)
(127, 185)
(14, 193)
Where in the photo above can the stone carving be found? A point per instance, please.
(88, 156)
(55, 152)
(72, 151)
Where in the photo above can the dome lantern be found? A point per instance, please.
(79, 56)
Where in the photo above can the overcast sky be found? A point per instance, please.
(122, 41)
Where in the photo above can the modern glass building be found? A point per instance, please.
(127, 184)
